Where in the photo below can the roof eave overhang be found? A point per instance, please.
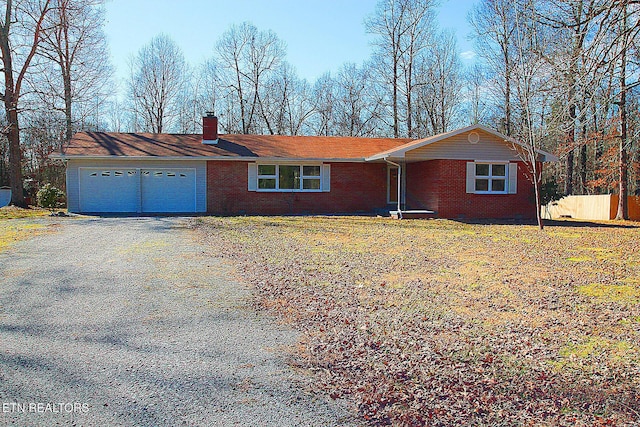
(400, 153)
(209, 158)
(548, 157)
(385, 156)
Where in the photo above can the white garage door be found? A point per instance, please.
(108, 190)
(160, 190)
(168, 190)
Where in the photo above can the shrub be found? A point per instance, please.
(49, 197)
(549, 191)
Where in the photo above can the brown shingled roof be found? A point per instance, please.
(101, 144)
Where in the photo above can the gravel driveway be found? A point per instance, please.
(131, 322)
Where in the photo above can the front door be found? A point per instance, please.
(392, 185)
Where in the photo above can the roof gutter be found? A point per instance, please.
(386, 159)
(297, 160)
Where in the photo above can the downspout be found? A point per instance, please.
(399, 183)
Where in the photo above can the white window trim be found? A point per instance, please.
(314, 177)
(490, 178)
(511, 177)
(322, 178)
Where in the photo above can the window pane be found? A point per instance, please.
(267, 183)
(311, 184)
(289, 177)
(498, 185)
(266, 169)
(311, 170)
(498, 170)
(482, 170)
(482, 185)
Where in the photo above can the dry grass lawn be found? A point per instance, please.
(12, 212)
(441, 323)
(12, 231)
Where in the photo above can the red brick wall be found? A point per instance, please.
(422, 183)
(355, 187)
(440, 185)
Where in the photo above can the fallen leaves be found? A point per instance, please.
(442, 323)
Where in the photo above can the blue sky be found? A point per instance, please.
(320, 35)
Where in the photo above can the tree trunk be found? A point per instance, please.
(507, 86)
(536, 188)
(11, 111)
(623, 191)
(67, 106)
(409, 86)
(65, 66)
(571, 141)
(507, 107)
(583, 169)
(568, 183)
(15, 157)
(396, 132)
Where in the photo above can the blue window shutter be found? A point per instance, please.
(253, 177)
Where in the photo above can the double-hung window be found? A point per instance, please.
(492, 178)
(267, 177)
(311, 177)
(289, 177)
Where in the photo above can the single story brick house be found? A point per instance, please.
(473, 172)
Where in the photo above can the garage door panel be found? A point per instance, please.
(168, 190)
(127, 190)
(108, 190)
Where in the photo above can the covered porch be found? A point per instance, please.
(473, 172)
(397, 193)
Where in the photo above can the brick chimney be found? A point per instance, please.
(209, 128)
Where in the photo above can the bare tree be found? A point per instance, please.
(41, 132)
(403, 28)
(573, 25)
(627, 29)
(75, 45)
(4, 153)
(189, 114)
(158, 74)
(248, 58)
(493, 25)
(286, 102)
(439, 88)
(533, 82)
(207, 92)
(613, 47)
(21, 27)
(324, 96)
(356, 110)
(476, 81)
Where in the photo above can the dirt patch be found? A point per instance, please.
(445, 323)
